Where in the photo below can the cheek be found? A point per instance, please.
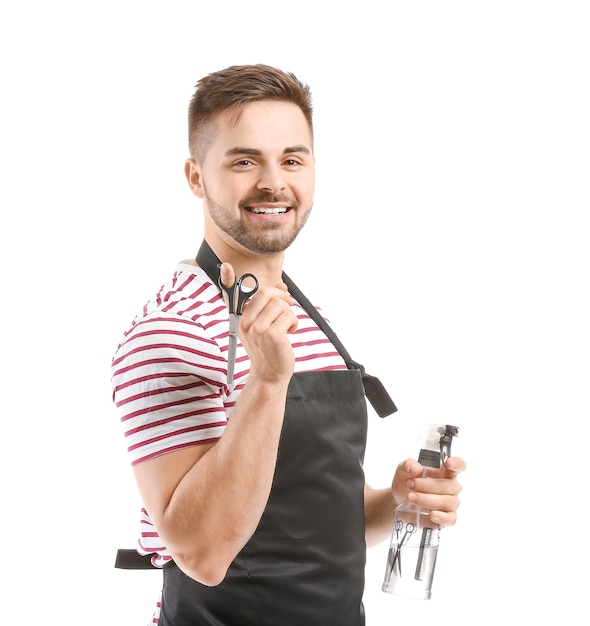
(227, 190)
(306, 190)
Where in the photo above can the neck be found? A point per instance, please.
(266, 268)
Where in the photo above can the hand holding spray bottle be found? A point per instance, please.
(414, 541)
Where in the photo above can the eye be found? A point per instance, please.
(243, 163)
(292, 162)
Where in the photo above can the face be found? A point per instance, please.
(257, 179)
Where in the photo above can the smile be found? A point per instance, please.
(264, 211)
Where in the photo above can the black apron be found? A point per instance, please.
(304, 564)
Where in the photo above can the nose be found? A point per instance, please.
(271, 178)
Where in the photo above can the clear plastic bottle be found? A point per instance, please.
(414, 541)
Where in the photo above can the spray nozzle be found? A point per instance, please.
(435, 441)
(447, 433)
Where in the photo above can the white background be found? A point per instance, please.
(452, 145)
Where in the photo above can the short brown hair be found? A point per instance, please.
(235, 87)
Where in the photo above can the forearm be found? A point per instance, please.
(379, 514)
(218, 503)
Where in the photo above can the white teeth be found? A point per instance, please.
(269, 211)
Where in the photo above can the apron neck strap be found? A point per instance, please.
(209, 262)
(376, 393)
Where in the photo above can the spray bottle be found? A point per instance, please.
(414, 540)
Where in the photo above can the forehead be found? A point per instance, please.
(265, 124)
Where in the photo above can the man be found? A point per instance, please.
(254, 494)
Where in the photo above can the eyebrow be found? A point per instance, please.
(255, 152)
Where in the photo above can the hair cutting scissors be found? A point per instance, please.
(237, 295)
(410, 530)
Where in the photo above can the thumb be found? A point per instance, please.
(412, 468)
(227, 274)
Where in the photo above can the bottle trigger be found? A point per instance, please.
(445, 442)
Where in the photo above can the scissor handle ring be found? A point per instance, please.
(245, 294)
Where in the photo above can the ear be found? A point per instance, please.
(192, 171)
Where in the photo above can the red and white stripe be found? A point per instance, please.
(169, 374)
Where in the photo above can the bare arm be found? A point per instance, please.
(207, 500)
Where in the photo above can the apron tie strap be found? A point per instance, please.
(131, 559)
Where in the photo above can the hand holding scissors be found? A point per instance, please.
(237, 296)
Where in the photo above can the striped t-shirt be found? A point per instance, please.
(169, 373)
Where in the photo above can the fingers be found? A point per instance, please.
(266, 321)
(455, 464)
(443, 506)
(443, 518)
(264, 301)
(228, 275)
(437, 486)
(435, 483)
(438, 491)
(412, 468)
(267, 307)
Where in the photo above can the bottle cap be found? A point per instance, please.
(429, 458)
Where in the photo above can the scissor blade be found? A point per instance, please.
(232, 347)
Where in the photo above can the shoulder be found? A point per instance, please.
(186, 313)
(188, 294)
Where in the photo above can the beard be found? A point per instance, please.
(268, 238)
